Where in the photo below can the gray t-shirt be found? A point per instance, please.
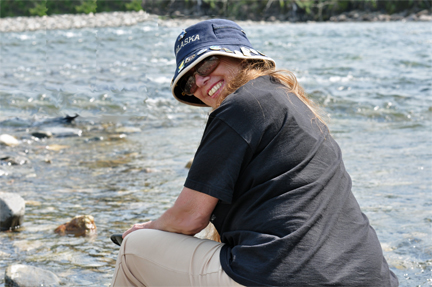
(286, 212)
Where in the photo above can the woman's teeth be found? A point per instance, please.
(214, 89)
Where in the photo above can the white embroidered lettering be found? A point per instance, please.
(186, 41)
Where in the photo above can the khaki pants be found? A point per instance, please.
(156, 258)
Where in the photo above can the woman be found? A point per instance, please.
(267, 174)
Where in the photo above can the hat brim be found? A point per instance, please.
(194, 101)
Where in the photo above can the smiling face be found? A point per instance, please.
(212, 87)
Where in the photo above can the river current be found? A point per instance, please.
(373, 82)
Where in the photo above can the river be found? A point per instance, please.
(373, 82)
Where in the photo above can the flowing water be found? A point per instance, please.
(372, 81)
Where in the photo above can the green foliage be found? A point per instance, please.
(135, 5)
(281, 4)
(212, 3)
(87, 7)
(235, 9)
(305, 5)
(39, 9)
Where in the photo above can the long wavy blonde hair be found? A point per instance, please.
(252, 69)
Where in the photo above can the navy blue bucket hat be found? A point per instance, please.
(204, 39)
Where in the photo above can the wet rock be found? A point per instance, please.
(33, 203)
(42, 134)
(189, 164)
(27, 245)
(8, 140)
(107, 163)
(117, 137)
(19, 275)
(127, 130)
(9, 160)
(56, 147)
(12, 209)
(18, 122)
(81, 225)
(63, 132)
(60, 120)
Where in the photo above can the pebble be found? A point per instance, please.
(12, 209)
(8, 140)
(19, 275)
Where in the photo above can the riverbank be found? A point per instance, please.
(116, 19)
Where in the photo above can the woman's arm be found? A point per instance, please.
(189, 215)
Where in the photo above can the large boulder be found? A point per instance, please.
(19, 275)
(81, 225)
(12, 209)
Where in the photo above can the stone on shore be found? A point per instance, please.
(12, 209)
(80, 225)
(8, 140)
(19, 275)
(62, 132)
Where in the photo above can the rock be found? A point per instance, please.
(19, 275)
(61, 120)
(423, 12)
(81, 225)
(9, 160)
(63, 132)
(384, 17)
(56, 147)
(127, 130)
(342, 18)
(33, 203)
(42, 134)
(425, 18)
(8, 140)
(117, 137)
(396, 17)
(12, 209)
(189, 164)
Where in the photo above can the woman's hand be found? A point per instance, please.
(137, 226)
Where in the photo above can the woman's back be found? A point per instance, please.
(287, 213)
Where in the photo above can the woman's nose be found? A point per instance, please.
(200, 80)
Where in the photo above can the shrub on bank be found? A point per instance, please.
(293, 10)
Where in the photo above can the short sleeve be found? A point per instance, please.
(218, 161)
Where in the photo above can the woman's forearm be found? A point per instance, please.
(189, 214)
